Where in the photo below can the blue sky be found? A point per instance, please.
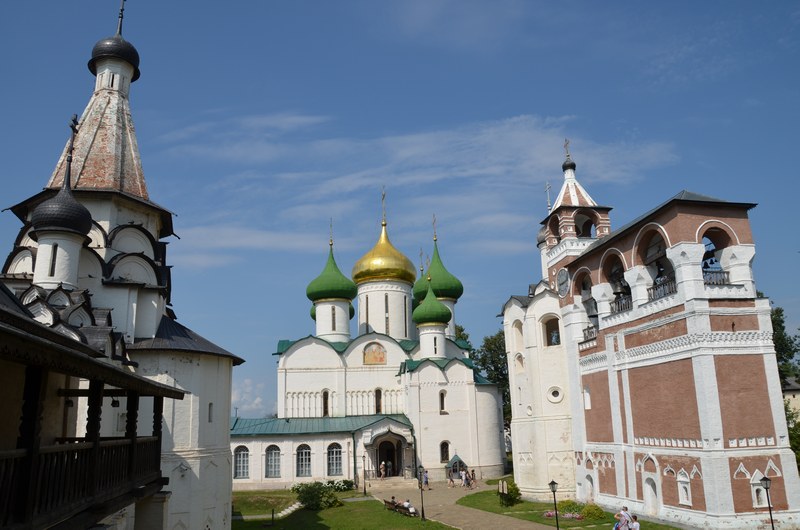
(259, 121)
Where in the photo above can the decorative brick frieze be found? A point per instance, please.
(711, 343)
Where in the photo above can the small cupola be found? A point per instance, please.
(331, 283)
(63, 213)
(115, 47)
(443, 283)
(431, 310)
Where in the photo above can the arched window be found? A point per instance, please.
(210, 412)
(378, 401)
(585, 225)
(519, 364)
(304, 461)
(442, 408)
(444, 451)
(615, 275)
(273, 462)
(325, 409)
(241, 462)
(386, 310)
(587, 398)
(554, 228)
(333, 318)
(334, 459)
(552, 333)
(714, 240)
(684, 488)
(435, 345)
(584, 287)
(654, 257)
(53, 255)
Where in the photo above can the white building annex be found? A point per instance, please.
(401, 391)
(90, 262)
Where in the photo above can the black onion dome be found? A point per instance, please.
(568, 164)
(116, 47)
(62, 213)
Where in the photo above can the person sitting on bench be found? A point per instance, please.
(407, 504)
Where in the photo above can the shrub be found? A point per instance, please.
(340, 485)
(592, 511)
(513, 496)
(316, 495)
(569, 506)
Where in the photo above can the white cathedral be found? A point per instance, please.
(401, 394)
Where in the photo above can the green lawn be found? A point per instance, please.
(534, 511)
(261, 502)
(363, 515)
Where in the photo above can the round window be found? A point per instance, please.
(555, 394)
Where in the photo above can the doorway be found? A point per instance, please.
(390, 452)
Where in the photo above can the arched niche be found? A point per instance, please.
(585, 223)
(133, 268)
(21, 261)
(132, 239)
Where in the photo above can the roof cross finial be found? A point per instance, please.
(566, 146)
(434, 227)
(547, 189)
(121, 14)
(421, 262)
(330, 241)
(73, 126)
(383, 205)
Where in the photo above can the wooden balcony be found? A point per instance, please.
(39, 489)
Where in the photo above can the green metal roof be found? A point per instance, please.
(412, 365)
(431, 310)
(341, 347)
(278, 426)
(444, 284)
(331, 283)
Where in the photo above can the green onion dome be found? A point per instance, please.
(444, 284)
(420, 287)
(431, 310)
(331, 283)
(313, 312)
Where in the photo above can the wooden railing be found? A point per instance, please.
(70, 477)
(716, 277)
(623, 303)
(664, 288)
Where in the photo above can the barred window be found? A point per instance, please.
(304, 461)
(334, 459)
(273, 461)
(241, 462)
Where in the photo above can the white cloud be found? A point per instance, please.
(484, 180)
(247, 398)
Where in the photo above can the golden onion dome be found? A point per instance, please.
(384, 262)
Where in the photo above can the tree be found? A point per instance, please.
(793, 425)
(786, 346)
(491, 359)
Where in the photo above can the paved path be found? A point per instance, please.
(440, 505)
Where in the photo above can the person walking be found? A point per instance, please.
(623, 519)
(425, 480)
(450, 475)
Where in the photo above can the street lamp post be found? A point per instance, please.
(364, 471)
(420, 471)
(553, 487)
(766, 483)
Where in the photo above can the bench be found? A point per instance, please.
(399, 508)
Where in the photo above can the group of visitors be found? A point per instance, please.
(385, 469)
(626, 521)
(467, 478)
